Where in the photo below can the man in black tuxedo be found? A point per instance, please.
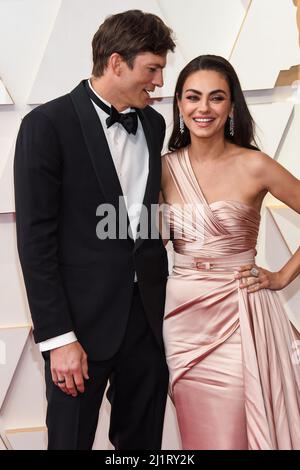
(97, 296)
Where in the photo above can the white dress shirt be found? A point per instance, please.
(131, 159)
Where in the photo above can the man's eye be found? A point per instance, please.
(152, 69)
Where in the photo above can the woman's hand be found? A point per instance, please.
(263, 280)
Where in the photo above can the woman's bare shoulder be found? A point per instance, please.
(255, 161)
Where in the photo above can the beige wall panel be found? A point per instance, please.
(13, 302)
(27, 439)
(289, 155)
(12, 341)
(70, 43)
(25, 404)
(5, 98)
(288, 223)
(164, 107)
(101, 439)
(268, 43)
(205, 27)
(9, 124)
(2, 445)
(24, 33)
(7, 201)
(271, 121)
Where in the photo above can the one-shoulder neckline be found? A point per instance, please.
(209, 204)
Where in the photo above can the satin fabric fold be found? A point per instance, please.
(233, 377)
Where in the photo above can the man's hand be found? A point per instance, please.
(69, 368)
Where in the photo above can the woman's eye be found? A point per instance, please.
(217, 98)
(192, 98)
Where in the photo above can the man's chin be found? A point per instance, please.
(142, 104)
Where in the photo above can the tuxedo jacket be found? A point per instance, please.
(63, 171)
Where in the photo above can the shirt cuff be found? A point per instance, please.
(58, 341)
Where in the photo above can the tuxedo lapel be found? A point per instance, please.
(98, 149)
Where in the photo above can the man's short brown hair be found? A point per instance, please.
(130, 33)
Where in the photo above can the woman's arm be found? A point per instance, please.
(285, 187)
(267, 279)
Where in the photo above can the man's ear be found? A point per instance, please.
(115, 63)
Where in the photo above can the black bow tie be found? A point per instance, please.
(128, 120)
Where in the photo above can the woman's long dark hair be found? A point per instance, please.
(243, 122)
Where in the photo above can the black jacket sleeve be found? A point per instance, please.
(38, 179)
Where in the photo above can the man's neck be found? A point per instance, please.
(103, 87)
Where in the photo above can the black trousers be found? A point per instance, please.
(138, 379)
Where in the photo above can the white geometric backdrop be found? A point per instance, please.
(44, 52)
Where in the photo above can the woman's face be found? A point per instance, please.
(205, 103)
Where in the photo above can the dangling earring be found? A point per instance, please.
(181, 124)
(231, 126)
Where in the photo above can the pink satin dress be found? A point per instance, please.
(234, 371)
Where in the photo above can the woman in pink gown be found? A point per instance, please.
(231, 350)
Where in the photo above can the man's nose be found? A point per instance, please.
(158, 78)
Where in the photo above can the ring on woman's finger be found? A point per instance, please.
(254, 271)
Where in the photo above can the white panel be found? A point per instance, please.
(27, 439)
(165, 108)
(267, 44)
(24, 33)
(9, 125)
(7, 203)
(289, 152)
(25, 403)
(101, 439)
(245, 3)
(70, 43)
(288, 222)
(5, 98)
(289, 93)
(12, 342)
(205, 27)
(271, 121)
(2, 445)
(13, 303)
